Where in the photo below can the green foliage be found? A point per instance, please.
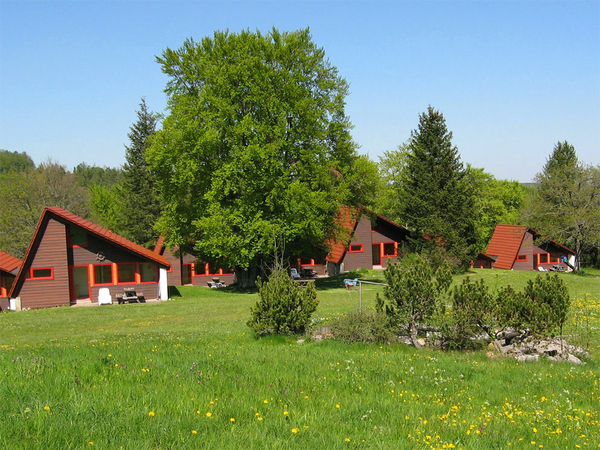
(436, 199)
(14, 161)
(283, 306)
(563, 156)
(104, 202)
(497, 201)
(365, 326)
(566, 206)
(24, 195)
(415, 292)
(89, 176)
(138, 204)
(472, 315)
(541, 307)
(255, 144)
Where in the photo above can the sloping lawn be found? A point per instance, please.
(188, 373)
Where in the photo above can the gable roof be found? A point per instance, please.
(8, 263)
(347, 219)
(102, 233)
(506, 242)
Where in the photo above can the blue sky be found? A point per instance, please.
(512, 78)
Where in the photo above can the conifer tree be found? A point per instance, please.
(139, 205)
(439, 202)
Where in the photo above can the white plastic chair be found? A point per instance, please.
(104, 297)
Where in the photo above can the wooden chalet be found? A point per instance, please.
(9, 267)
(70, 259)
(186, 270)
(515, 248)
(373, 241)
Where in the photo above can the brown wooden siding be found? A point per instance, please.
(51, 253)
(112, 254)
(527, 248)
(362, 236)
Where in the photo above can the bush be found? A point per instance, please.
(371, 327)
(541, 308)
(415, 292)
(472, 316)
(283, 306)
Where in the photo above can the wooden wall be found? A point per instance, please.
(50, 252)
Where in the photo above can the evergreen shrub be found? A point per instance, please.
(283, 307)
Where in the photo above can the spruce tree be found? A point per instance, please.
(439, 203)
(139, 206)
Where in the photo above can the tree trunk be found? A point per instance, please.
(245, 278)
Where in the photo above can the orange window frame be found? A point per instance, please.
(154, 268)
(387, 255)
(360, 248)
(33, 277)
(111, 282)
(134, 273)
(521, 258)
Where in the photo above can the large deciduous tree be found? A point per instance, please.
(439, 200)
(566, 205)
(255, 147)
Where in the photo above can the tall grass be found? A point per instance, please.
(189, 374)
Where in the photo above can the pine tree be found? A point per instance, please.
(562, 157)
(139, 206)
(439, 203)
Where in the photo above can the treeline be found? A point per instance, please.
(254, 157)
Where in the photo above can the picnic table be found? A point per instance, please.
(216, 283)
(130, 296)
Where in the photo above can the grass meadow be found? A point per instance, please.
(189, 374)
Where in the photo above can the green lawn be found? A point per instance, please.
(188, 373)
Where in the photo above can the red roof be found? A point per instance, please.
(8, 263)
(92, 228)
(506, 242)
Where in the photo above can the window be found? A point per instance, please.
(543, 258)
(126, 273)
(554, 257)
(186, 275)
(78, 237)
(355, 248)
(103, 274)
(389, 249)
(148, 272)
(521, 257)
(47, 273)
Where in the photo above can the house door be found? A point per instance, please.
(376, 254)
(81, 283)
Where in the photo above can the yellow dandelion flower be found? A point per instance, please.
(259, 418)
(151, 413)
(285, 413)
(265, 401)
(337, 406)
(232, 420)
(208, 414)
(90, 443)
(194, 432)
(347, 439)
(46, 408)
(294, 430)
